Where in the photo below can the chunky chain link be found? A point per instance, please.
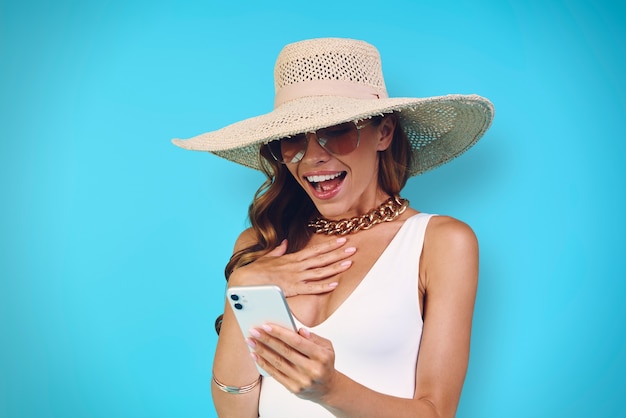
(388, 211)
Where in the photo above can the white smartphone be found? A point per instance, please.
(254, 306)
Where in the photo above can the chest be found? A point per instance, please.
(312, 310)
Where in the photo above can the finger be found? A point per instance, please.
(305, 359)
(291, 345)
(317, 280)
(314, 287)
(305, 332)
(315, 263)
(329, 258)
(304, 349)
(273, 356)
(278, 251)
(326, 271)
(282, 351)
(322, 248)
(316, 339)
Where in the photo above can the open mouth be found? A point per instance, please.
(326, 182)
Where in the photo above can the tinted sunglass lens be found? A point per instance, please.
(274, 147)
(288, 150)
(339, 139)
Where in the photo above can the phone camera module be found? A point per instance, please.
(238, 306)
(234, 297)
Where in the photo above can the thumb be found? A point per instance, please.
(278, 251)
(313, 337)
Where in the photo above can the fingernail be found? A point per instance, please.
(333, 285)
(254, 356)
(266, 327)
(350, 250)
(250, 342)
(255, 333)
(306, 332)
(341, 240)
(346, 263)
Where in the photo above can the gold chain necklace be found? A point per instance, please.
(386, 212)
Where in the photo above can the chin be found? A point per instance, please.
(332, 210)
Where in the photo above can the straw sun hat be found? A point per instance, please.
(324, 82)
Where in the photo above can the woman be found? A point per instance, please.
(382, 294)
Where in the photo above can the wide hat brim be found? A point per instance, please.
(438, 128)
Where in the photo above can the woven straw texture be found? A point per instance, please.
(329, 59)
(323, 82)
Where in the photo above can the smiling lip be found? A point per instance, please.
(325, 185)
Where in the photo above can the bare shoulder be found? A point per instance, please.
(450, 251)
(446, 233)
(246, 239)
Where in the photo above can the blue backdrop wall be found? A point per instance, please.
(113, 241)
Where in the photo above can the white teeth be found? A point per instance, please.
(318, 179)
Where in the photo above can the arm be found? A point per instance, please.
(304, 272)
(232, 364)
(450, 279)
(449, 274)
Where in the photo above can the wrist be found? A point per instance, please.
(332, 390)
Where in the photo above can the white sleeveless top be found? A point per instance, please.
(375, 332)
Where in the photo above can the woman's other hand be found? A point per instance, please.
(308, 271)
(303, 362)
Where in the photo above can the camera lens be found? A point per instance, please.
(238, 306)
(234, 297)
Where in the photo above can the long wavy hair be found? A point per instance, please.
(282, 209)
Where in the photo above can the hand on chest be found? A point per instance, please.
(370, 245)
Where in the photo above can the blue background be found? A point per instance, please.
(113, 241)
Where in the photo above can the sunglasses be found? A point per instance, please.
(339, 139)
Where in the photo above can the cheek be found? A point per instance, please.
(369, 148)
(366, 160)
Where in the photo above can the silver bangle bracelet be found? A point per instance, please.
(234, 389)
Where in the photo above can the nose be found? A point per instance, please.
(314, 152)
